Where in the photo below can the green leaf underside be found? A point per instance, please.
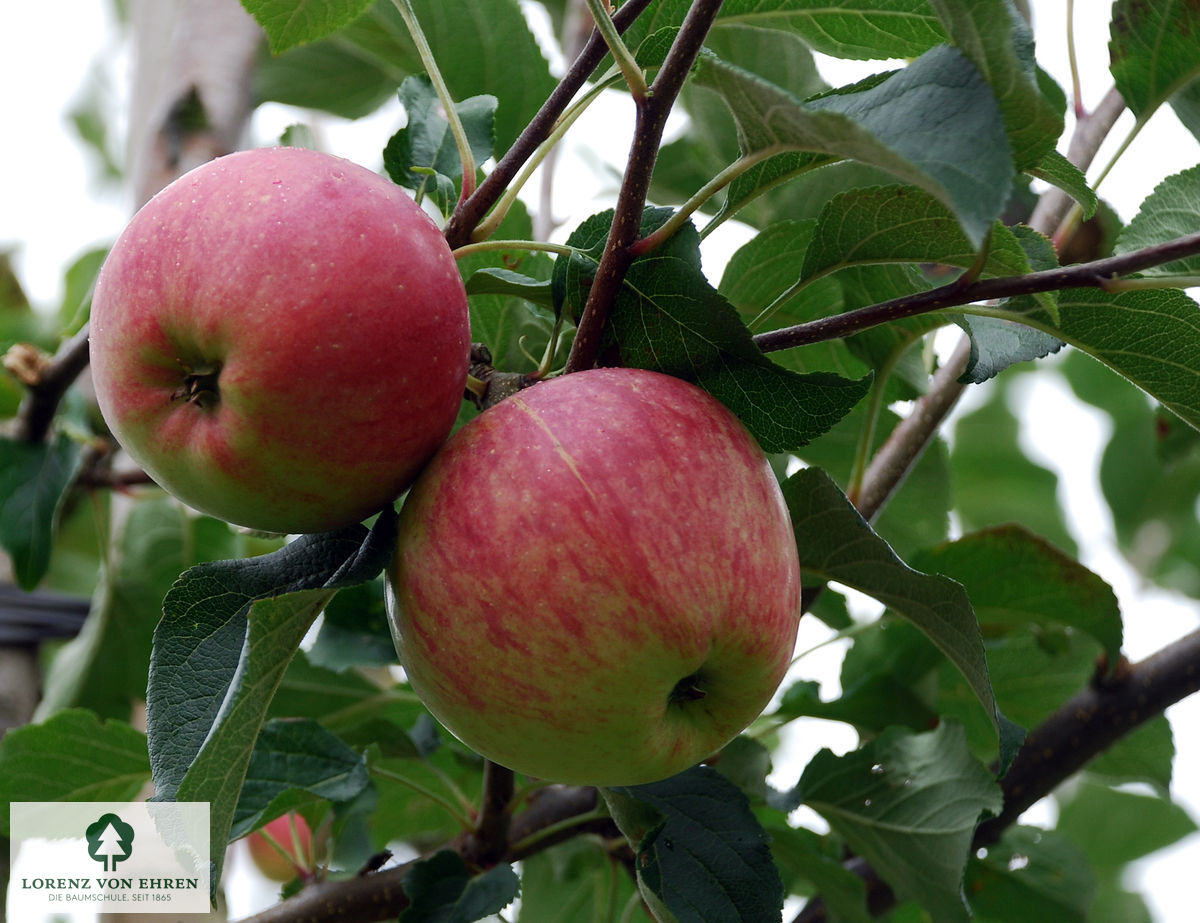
(288, 23)
(73, 756)
(423, 155)
(1032, 874)
(1152, 338)
(667, 317)
(994, 37)
(296, 754)
(228, 631)
(915, 123)
(1055, 169)
(835, 543)
(442, 889)
(701, 853)
(909, 804)
(34, 478)
(1053, 587)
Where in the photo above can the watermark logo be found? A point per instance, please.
(148, 857)
(110, 840)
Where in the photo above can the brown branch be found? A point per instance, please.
(1081, 729)
(652, 112)
(1096, 274)
(470, 212)
(47, 387)
(485, 845)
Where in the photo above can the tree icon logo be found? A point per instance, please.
(110, 840)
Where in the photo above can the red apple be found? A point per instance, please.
(596, 580)
(280, 338)
(292, 833)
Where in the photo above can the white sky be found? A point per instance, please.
(51, 210)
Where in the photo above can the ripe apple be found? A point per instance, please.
(280, 338)
(299, 846)
(596, 580)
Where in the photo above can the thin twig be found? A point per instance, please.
(470, 211)
(652, 113)
(41, 402)
(1096, 274)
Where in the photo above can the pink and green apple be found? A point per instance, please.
(596, 580)
(291, 854)
(280, 338)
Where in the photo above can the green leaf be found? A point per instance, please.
(575, 882)
(907, 803)
(835, 543)
(1055, 169)
(288, 23)
(1149, 337)
(491, 281)
(296, 754)
(480, 49)
(1114, 827)
(423, 156)
(802, 854)
(701, 854)
(1146, 754)
(997, 344)
(1032, 874)
(228, 631)
(902, 224)
(1171, 211)
(72, 756)
(104, 667)
(1053, 588)
(667, 317)
(354, 630)
(997, 40)
(34, 478)
(442, 890)
(934, 124)
(1153, 51)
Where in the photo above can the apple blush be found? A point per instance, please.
(596, 580)
(280, 339)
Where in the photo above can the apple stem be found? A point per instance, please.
(687, 689)
(200, 386)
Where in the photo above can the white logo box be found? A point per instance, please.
(97, 856)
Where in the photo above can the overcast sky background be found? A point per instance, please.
(52, 209)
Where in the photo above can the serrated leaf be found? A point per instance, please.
(1055, 169)
(902, 224)
(73, 756)
(997, 344)
(1146, 754)
(296, 754)
(423, 156)
(914, 123)
(442, 890)
(1031, 874)
(1153, 51)
(705, 857)
(1053, 587)
(667, 317)
(289, 23)
(998, 41)
(228, 631)
(907, 803)
(1172, 210)
(1149, 337)
(835, 543)
(34, 478)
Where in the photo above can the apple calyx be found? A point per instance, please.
(200, 386)
(687, 690)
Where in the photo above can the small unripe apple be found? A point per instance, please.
(596, 580)
(280, 338)
(299, 846)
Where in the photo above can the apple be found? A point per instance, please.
(596, 580)
(292, 833)
(280, 338)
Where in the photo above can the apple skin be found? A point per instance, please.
(268, 860)
(333, 314)
(596, 580)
